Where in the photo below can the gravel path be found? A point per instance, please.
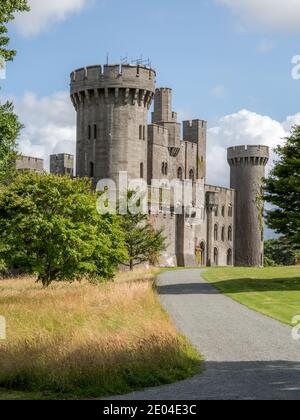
(248, 355)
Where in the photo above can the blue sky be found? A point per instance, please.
(228, 61)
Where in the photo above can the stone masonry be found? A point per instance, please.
(112, 104)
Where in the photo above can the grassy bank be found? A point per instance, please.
(272, 291)
(84, 341)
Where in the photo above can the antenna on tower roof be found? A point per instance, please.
(141, 61)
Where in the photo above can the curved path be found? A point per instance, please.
(248, 355)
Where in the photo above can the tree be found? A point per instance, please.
(7, 10)
(49, 226)
(143, 242)
(9, 124)
(9, 131)
(280, 252)
(282, 189)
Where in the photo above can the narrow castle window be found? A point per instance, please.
(180, 174)
(95, 131)
(141, 132)
(230, 211)
(89, 132)
(217, 211)
(230, 233)
(216, 232)
(141, 170)
(223, 211)
(144, 132)
(91, 170)
(223, 234)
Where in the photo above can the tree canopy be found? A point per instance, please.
(49, 226)
(143, 242)
(282, 189)
(7, 10)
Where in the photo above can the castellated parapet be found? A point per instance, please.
(247, 165)
(112, 104)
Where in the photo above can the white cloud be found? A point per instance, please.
(50, 125)
(45, 12)
(270, 14)
(241, 128)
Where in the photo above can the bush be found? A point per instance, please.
(49, 226)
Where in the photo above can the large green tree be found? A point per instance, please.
(49, 226)
(282, 190)
(8, 8)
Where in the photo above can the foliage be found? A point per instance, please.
(7, 10)
(282, 189)
(9, 130)
(49, 226)
(280, 252)
(143, 242)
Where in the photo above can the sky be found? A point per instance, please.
(233, 63)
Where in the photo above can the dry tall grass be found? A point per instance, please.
(88, 340)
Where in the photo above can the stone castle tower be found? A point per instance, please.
(247, 165)
(112, 104)
(113, 135)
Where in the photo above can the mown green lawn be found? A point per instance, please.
(275, 291)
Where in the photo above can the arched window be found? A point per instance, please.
(164, 168)
(91, 170)
(223, 211)
(216, 232)
(141, 132)
(230, 233)
(216, 256)
(230, 210)
(216, 211)
(223, 234)
(229, 257)
(142, 170)
(192, 175)
(89, 132)
(180, 173)
(144, 132)
(95, 131)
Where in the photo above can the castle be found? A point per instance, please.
(112, 104)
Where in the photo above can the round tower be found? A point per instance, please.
(247, 165)
(112, 104)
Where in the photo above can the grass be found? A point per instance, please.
(83, 341)
(275, 291)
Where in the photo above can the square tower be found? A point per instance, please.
(62, 164)
(196, 132)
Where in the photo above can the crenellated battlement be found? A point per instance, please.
(248, 155)
(126, 83)
(114, 74)
(196, 124)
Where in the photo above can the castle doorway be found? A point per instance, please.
(200, 254)
(229, 257)
(216, 257)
